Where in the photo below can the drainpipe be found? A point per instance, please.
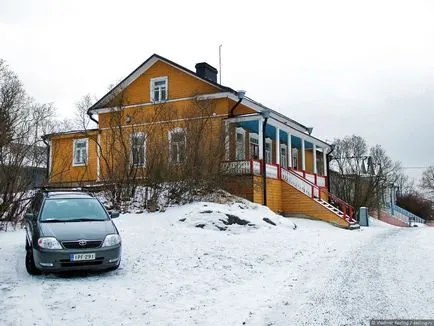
(92, 118)
(240, 95)
(265, 114)
(328, 166)
(48, 156)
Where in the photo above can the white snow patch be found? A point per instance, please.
(174, 273)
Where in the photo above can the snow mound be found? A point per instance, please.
(373, 222)
(236, 217)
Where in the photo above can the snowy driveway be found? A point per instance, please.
(173, 273)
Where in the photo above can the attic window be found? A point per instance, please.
(159, 89)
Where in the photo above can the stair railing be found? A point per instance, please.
(314, 191)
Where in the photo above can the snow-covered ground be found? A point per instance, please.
(189, 266)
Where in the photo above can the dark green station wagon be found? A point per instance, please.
(68, 231)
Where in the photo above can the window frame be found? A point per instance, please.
(284, 157)
(242, 132)
(294, 158)
(254, 136)
(270, 152)
(75, 141)
(171, 132)
(152, 86)
(144, 147)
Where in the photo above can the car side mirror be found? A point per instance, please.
(114, 214)
(29, 216)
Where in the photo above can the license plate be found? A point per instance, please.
(77, 257)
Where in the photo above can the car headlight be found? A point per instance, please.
(49, 243)
(112, 240)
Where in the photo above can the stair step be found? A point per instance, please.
(354, 226)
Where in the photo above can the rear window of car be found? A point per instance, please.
(73, 209)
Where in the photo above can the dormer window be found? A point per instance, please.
(159, 89)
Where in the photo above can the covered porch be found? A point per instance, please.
(280, 146)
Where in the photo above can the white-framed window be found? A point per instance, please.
(284, 155)
(268, 148)
(254, 146)
(294, 157)
(319, 166)
(159, 89)
(80, 152)
(138, 149)
(240, 148)
(177, 145)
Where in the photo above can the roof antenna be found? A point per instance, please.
(220, 63)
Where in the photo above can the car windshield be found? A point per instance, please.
(72, 210)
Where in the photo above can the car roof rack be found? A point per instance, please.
(47, 189)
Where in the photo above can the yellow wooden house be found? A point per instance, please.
(260, 144)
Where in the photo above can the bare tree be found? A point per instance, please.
(134, 149)
(427, 181)
(362, 174)
(81, 118)
(22, 122)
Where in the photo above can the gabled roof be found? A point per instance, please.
(154, 58)
(140, 70)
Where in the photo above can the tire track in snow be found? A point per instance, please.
(366, 284)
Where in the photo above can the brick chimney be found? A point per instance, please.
(206, 71)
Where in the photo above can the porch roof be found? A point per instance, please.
(270, 131)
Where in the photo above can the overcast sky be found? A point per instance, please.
(343, 67)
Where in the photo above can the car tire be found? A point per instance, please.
(30, 264)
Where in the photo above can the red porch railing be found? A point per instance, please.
(310, 184)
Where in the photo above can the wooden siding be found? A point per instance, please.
(241, 186)
(240, 109)
(210, 143)
(281, 198)
(295, 202)
(164, 112)
(62, 169)
(274, 193)
(180, 85)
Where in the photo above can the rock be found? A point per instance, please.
(266, 219)
(232, 219)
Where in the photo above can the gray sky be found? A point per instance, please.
(343, 67)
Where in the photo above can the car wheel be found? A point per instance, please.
(30, 264)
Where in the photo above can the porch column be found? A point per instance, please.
(260, 139)
(227, 140)
(324, 153)
(315, 168)
(303, 155)
(277, 146)
(289, 151)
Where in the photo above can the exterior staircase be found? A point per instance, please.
(403, 215)
(319, 203)
(352, 223)
(291, 192)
